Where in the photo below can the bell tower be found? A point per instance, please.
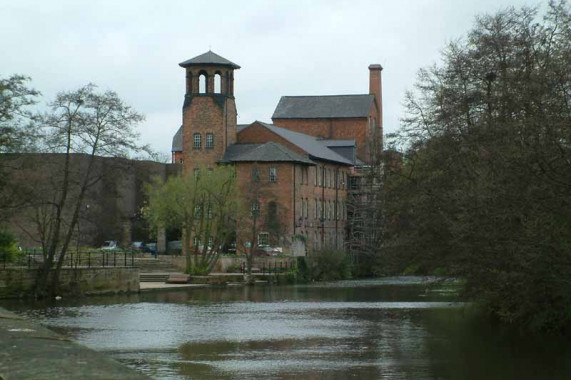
(209, 110)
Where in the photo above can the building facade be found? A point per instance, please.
(296, 171)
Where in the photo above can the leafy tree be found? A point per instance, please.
(16, 97)
(485, 191)
(16, 134)
(203, 206)
(81, 121)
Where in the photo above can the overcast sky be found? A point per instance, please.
(284, 47)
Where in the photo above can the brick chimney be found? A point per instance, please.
(376, 88)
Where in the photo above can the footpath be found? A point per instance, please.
(31, 351)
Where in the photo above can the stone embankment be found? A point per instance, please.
(31, 351)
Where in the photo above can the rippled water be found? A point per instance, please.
(398, 328)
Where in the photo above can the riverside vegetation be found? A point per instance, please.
(484, 191)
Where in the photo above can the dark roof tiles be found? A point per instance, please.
(267, 152)
(177, 141)
(323, 107)
(208, 58)
(312, 145)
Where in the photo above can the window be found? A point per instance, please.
(273, 173)
(255, 209)
(197, 211)
(305, 207)
(195, 241)
(196, 173)
(316, 215)
(210, 241)
(217, 83)
(202, 83)
(316, 175)
(197, 141)
(209, 140)
(329, 179)
(180, 160)
(263, 239)
(255, 175)
(209, 211)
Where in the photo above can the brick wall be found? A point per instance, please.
(258, 134)
(297, 192)
(349, 128)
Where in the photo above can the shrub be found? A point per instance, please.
(329, 265)
(8, 247)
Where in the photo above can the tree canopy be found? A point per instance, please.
(15, 115)
(485, 188)
(203, 206)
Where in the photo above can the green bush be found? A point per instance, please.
(329, 265)
(199, 270)
(8, 247)
(234, 267)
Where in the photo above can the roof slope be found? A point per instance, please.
(323, 107)
(312, 145)
(267, 152)
(177, 141)
(208, 58)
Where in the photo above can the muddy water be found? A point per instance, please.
(397, 328)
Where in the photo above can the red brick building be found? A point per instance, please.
(296, 171)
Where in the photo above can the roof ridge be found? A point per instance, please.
(335, 156)
(323, 96)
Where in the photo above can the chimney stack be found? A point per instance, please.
(376, 88)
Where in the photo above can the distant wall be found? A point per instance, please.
(112, 206)
(19, 282)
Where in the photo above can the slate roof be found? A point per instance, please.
(208, 58)
(267, 152)
(345, 148)
(323, 107)
(177, 141)
(348, 142)
(239, 127)
(312, 145)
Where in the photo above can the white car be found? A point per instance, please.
(109, 245)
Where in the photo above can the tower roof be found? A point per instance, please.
(208, 58)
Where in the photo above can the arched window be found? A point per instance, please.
(197, 140)
(202, 83)
(217, 83)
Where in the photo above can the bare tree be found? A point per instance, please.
(87, 122)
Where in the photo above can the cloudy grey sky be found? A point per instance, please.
(284, 47)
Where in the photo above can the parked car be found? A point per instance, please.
(174, 247)
(137, 245)
(110, 245)
(150, 248)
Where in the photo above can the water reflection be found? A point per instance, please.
(392, 328)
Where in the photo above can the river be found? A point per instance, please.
(394, 328)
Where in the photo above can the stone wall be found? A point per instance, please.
(226, 262)
(19, 282)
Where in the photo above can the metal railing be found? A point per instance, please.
(272, 267)
(73, 259)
